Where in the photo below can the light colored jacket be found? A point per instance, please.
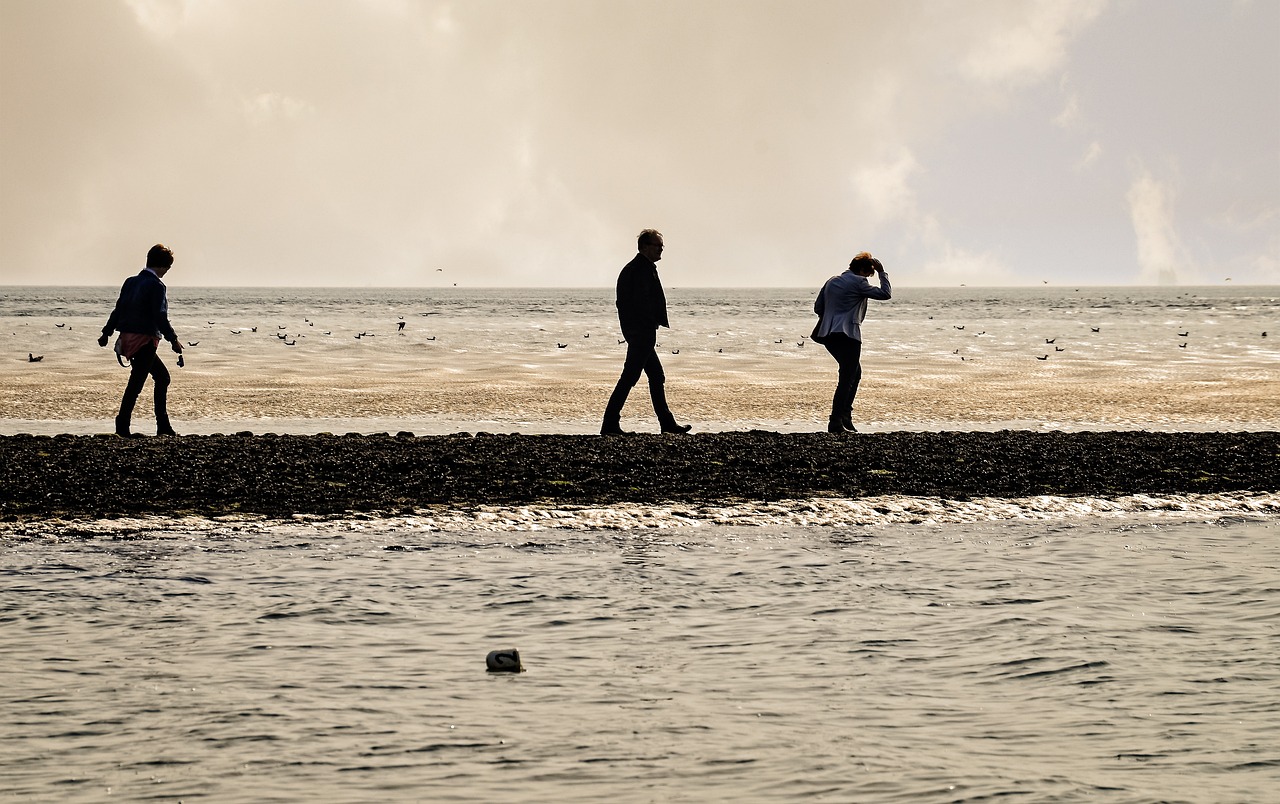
(842, 303)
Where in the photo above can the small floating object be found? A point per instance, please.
(504, 661)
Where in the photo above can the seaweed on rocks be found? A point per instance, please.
(42, 476)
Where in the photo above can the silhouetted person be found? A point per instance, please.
(142, 318)
(642, 308)
(841, 306)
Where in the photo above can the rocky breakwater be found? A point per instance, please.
(101, 476)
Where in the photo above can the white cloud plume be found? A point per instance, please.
(1162, 257)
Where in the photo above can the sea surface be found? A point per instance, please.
(545, 360)
(878, 649)
(1121, 657)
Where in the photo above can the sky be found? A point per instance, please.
(525, 143)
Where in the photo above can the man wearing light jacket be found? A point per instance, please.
(841, 307)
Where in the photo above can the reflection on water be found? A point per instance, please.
(1110, 659)
(492, 359)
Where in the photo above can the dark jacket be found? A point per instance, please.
(143, 307)
(642, 306)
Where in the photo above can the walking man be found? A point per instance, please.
(141, 316)
(642, 308)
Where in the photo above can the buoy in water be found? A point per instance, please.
(504, 661)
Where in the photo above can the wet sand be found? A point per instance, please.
(102, 476)
(83, 400)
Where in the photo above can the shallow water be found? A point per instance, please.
(1109, 656)
(735, 359)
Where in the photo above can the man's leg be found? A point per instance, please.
(639, 349)
(658, 393)
(853, 359)
(160, 379)
(847, 352)
(139, 368)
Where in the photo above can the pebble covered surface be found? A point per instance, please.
(103, 476)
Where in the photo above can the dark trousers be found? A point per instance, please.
(642, 358)
(848, 355)
(145, 363)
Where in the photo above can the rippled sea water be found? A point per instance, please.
(1128, 656)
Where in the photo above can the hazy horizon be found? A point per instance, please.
(669, 286)
(409, 143)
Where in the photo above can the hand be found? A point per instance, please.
(177, 346)
(879, 266)
(102, 341)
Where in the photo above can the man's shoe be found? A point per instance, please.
(677, 429)
(613, 429)
(165, 431)
(122, 429)
(847, 423)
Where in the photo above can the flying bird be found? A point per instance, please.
(560, 345)
(1046, 357)
(34, 358)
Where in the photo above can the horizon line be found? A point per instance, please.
(669, 287)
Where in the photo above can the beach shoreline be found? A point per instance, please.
(285, 475)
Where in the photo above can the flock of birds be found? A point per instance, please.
(284, 337)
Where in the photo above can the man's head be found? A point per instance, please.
(649, 244)
(159, 259)
(864, 264)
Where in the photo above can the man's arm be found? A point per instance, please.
(113, 320)
(885, 291)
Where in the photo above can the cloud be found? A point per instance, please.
(1070, 112)
(526, 143)
(884, 188)
(1091, 155)
(1027, 43)
(957, 266)
(1162, 258)
(160, 17)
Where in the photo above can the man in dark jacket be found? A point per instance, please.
(141, 316)
(642, 308)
